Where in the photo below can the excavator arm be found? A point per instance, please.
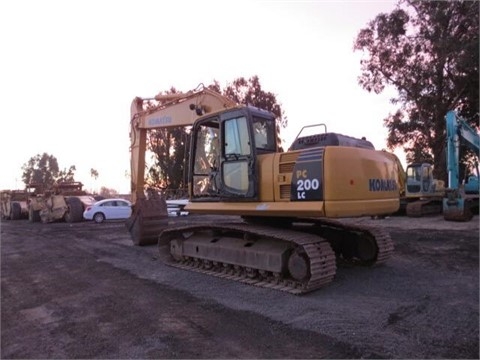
(173, 110)
(457, 204)
(458, 130)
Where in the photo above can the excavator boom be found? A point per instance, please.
(457, 204)
(161, 111)
(173, 110)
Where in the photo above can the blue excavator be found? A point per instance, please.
(461, 198)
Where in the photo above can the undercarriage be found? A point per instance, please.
(424, 207)
(297, 256)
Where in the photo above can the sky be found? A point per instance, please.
(69, 71)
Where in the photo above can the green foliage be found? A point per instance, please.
(44, 170)
(250, 92)
(170, 146)
(429, 52)
(94, 173)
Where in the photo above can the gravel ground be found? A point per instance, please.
(85, 291)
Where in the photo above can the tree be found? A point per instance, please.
(250, 92)
(170, 145)
(66, 175)
(108, 193)
(43, 169)
(429, 52)
(169, 151)
(93, 175)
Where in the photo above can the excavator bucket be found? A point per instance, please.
(149, 217)
(457, 207)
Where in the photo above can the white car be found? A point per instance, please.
(108, 209)
(176, 207)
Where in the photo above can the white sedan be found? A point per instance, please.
(176, 207)
(108, 209)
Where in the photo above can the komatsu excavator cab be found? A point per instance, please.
(224, 150)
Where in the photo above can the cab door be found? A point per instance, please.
(223, 159)
(238, 160)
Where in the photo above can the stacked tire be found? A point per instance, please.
(75, 210)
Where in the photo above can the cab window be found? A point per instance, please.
(264, 131)
(237, 154)
(207, 159)
(237, 139)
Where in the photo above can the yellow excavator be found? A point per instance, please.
(424, 193)
(286, 236)
(420, 193)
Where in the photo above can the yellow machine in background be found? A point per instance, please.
(66, 201)
(423, 193)
(13, 204)
(420, 194)
(286, 200)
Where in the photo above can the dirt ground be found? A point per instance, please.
(85, 291)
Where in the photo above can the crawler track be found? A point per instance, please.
(425, 207)
(321, 258)
(323, 242)
(343, 236)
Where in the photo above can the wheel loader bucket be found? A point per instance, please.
(149, 217)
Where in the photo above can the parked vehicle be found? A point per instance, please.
(288, 200)
(63, 201)
(108, 209)
(13, 204)
(176, 207)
